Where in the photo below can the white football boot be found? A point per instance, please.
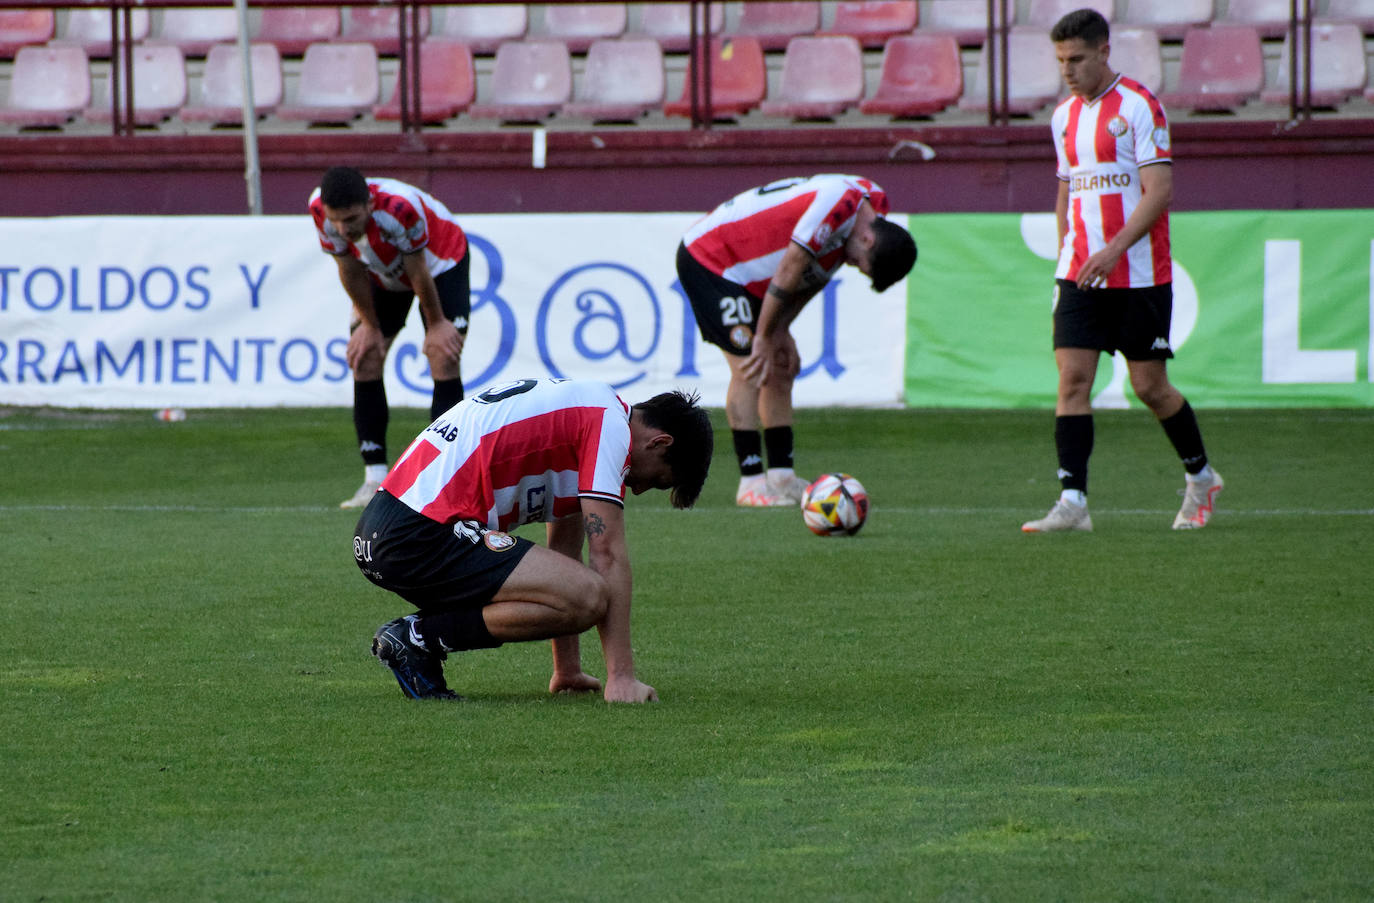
(364, 495)
(784, 483)
(753, 492)
(1062, 517)
(1199, 502)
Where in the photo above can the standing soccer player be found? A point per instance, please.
(552, 450)
(1113, 283)
(393, 244)
(748, 268)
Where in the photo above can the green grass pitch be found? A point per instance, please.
(940, 708)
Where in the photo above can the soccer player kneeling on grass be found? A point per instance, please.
(552, 450)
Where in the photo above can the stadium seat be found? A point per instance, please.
(1135, 54)
(872, 22)
(1033, 74)
(739, 79)
(159, 86)
(967, 20)
(530, 81)
(822, 76)
(577, 25)
(338, 82)
(622, 81)
(483, 27)
(1338, 66)
(448, 82)
(775, 22)
(1169, 20)
(90, 29)
(24, 28)
(291, 29)
(921, 75)
(49, 86)
(1042, 14)
(196, 29)
(221, 85)
(671, 25)
(1360, 12)
(1222, 67)
(378, 26)
(1268, 17)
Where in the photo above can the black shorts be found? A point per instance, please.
(1134, 321)
(433, 566)
(454, 299)
(726, 313)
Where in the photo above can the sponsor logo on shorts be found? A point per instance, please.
(498, 541)
(741, 336)
(1117, 127)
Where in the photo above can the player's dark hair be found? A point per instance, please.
(343, 186)
(677, 414)
(1087, 24)
(894, 254)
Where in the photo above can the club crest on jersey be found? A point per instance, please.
(741, 336)
(1116, 127)
(498, 541)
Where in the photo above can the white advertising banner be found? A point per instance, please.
(220, 311)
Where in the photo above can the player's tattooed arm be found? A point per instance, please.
(593, 525)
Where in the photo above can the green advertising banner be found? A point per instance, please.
(1271, 309)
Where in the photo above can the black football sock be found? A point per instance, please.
(778, 442)
(455, 631)
(749, 452)
(447, 393)
(370, 418)
(1073, 440)
(1183, 432)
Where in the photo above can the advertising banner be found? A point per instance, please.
(1271, 309)
(248, 311)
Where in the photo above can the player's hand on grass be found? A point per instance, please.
(581, 682)
(443, 342)
(630, 690)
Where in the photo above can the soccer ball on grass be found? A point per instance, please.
(836, 504)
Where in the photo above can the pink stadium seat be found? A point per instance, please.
(775, 22)
(196, 30)
(578, 25)
(1338, 65)
(921, 75)
(221, 84)
(90, 29)
(1135, 54)
(967, 20)
(1360, 12)
(739, 79)
(483, 27)
(1268, 17)
(378, 26)
(822, 76)
(338, 82)
(159, 86)
(874, 21)
(530, 81)
(1169, 20)
(49, 86)
(1043, 14)
(1222, 67)
(291, 29)
(24, 27)
(1033, 81)
(671, 25)
(622, 81)
(448, 82)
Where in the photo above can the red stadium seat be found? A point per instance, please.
(49, 86)
(921, 75)
(1338, 66)
(378, 26)
(291, 29)
(90, 29)
(159, 86)
(874, 21)
(338, 82)
(448, 82)
(1222, 67)
(483, 27)
(1360, 12)
(530, 81)
(822, 76)
(578, 25)
(196, 30)
(1033, 81)
(671, 25)
(24, 28)
(775, 22)
(622, 81)
(739, 79)
(221, 85)
(1169, 20)
(1135, 54)
(1268, 17)
(967, 20)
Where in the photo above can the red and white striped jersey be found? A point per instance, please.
(404, 220)
(518, 453)
(743, 240)
(1101, 145)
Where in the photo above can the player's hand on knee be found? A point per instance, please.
(629, 691)
(581, 682)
